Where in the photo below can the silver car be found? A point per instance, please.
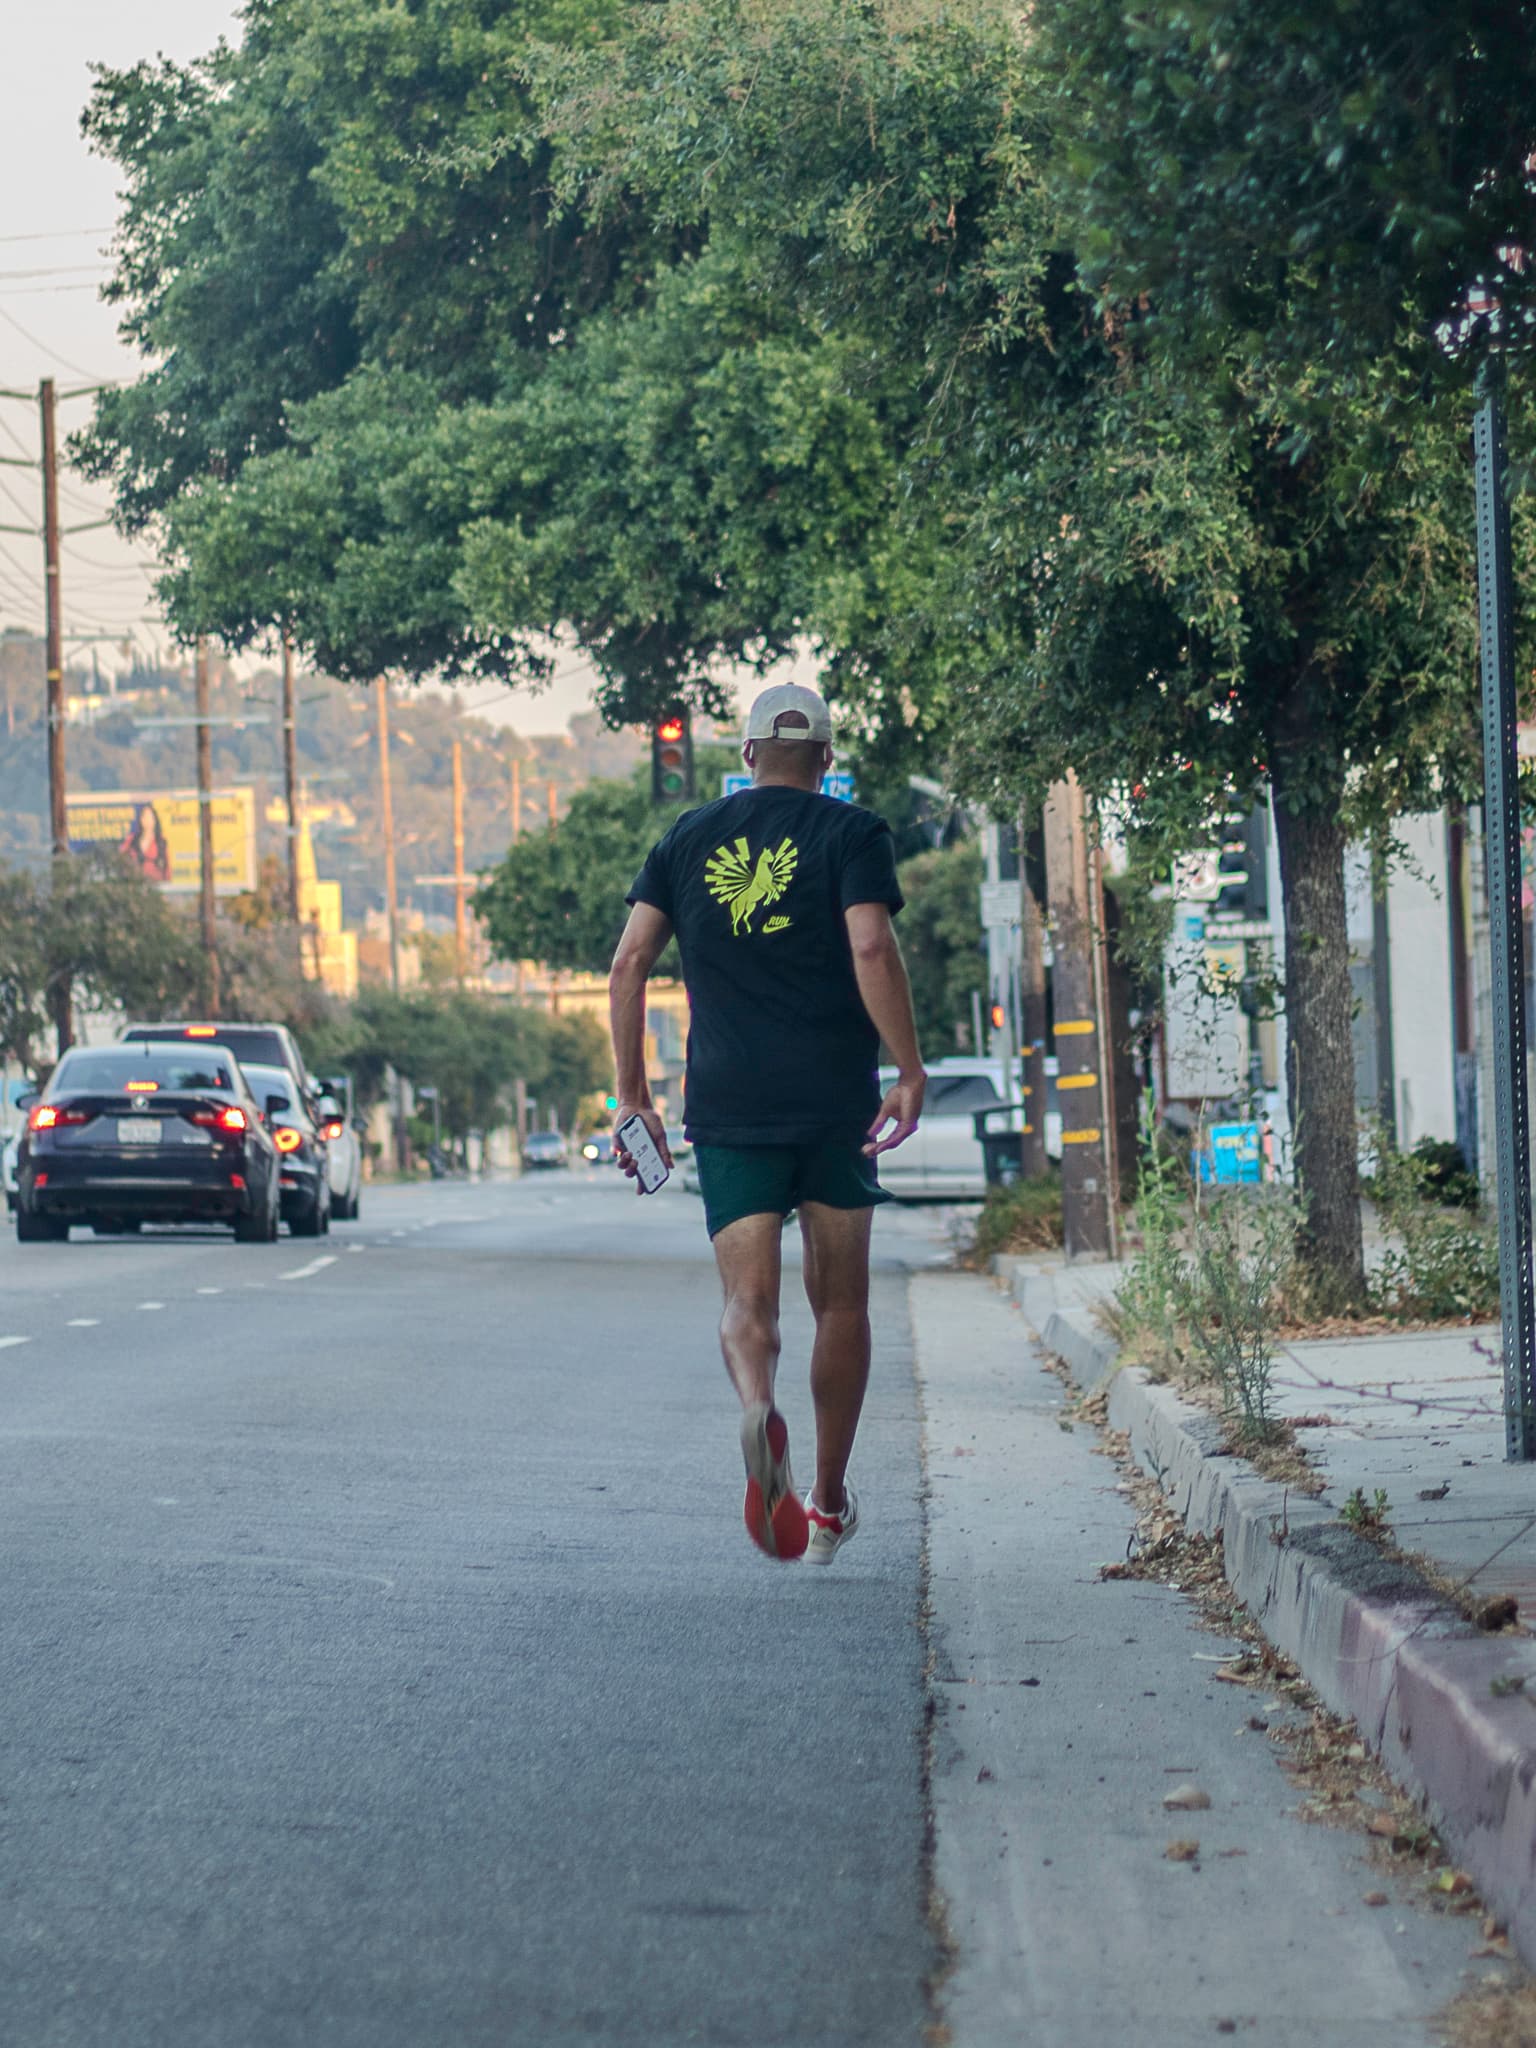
(344, 1150)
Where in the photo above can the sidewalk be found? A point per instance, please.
(1417, 1415)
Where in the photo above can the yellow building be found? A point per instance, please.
(330, 950)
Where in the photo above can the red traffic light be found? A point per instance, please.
(669, 730)
(999, 1016)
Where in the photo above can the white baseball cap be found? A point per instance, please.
(767, 710)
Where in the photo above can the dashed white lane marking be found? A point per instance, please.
(314, 1266)
(151, 1304)
(7, 1342)
(83, 1323)
(357, 1247)
(210, 1290)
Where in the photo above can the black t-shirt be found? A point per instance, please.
(780, 1047)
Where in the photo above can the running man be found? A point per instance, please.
(781, 899)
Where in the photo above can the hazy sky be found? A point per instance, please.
(57, 207)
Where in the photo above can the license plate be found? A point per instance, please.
(139, 1130)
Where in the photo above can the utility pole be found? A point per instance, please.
(391, 901)
(1080, 1038)
(387, 812)
(1032, 1153)
(206, 902)
(554, 804)
(517, 798)
(291, 782)
(61, 1001)
(460, 935)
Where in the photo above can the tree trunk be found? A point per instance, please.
(1319, 1059)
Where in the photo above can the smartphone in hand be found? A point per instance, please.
(641, 1147)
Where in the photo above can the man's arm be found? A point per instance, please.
(882, 977)
(644, 941)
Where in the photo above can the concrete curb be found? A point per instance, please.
(1371, 1636)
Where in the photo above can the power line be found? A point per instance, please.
(55, 234)
(63, 361)
(55, 270)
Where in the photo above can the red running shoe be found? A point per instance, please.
(775, 1519)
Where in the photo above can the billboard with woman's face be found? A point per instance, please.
(156, 831)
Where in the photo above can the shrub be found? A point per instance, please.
(1441, 1262)
(1025, 1216)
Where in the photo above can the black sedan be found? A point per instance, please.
(129, 1134)
(304, 1181)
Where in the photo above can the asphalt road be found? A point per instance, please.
(385, 1665)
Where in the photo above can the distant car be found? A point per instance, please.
(545, 1148)
(598, 1149)
(304, 1182)
(344, 1150)
(128, 1134)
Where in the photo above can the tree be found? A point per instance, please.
(354, 192)
(942, 941)
(93, 926)
(1315, 190)
(558, 896)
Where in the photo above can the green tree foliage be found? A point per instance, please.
(943, 943)
(354, 192)
(558, 896)
(470, 1047)
(93, 927)
(1316, 187)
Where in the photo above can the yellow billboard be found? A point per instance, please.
(156, 830)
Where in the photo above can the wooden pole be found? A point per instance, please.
(61, 998)
(291, 779)
(1079, 1035)
(554, 804)
(460, 934)
(387, 817)
(1033, 1157)
(207, 903)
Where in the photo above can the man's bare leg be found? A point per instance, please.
(747, 1254)
(837, 1286)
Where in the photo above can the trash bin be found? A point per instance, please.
(1000, 1131)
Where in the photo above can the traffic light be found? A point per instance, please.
(672, 759)
(999, 1016)
(1242, 866)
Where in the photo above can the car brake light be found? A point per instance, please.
(237, 1180)
(202, 1031)
(332, 1130)
(287, 1139)
(142, 1088)
(230, 1119)
(49, 1117)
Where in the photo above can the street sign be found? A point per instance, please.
(1002, 905)
(837, 785)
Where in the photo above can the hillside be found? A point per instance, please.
(123, 747)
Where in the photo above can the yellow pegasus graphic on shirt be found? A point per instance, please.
(743, 888)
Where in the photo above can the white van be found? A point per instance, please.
(943, 1158)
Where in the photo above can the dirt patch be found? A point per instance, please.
(1502, 2018)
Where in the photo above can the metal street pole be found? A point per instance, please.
(1032, 1017)
(206, 901)
(1501, 836)
(391, 905)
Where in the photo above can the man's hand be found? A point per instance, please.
(653, 1124)
(902, 1106)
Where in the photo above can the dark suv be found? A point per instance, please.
(253, 1045)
